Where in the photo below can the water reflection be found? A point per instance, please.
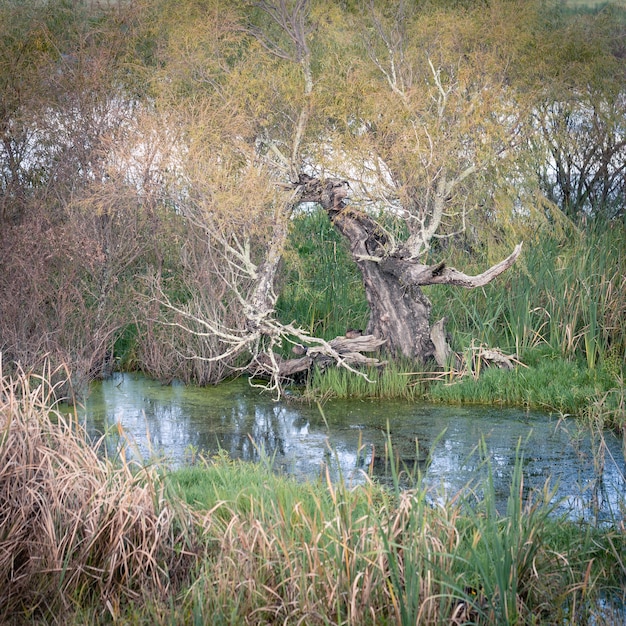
(349, 440)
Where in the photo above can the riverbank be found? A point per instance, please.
(99, 541)
(560, 310)
(542, 381)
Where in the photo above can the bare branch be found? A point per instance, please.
(292, 21)
(393, 40)
(411, 273)
(442, 98)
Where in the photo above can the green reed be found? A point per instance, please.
(566, 293)
(549, 383)
(504, 550)
(397, 379)
(321, 286)
(227, 542)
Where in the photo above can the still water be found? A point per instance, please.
(348, 439)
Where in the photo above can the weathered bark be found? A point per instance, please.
(399, 310)
(443, 352)
(348, 350)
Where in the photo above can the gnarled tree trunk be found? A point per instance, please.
(399, 310)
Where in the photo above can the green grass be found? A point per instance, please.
(227, 542)
(396, 380)
(387, 556)
(551, 384)
(566, 293)
(321, 286)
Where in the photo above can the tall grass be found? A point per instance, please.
(565, 293)
(75, 528)
(321, 554)
(562, 308)
(321, 287)
(85, 540)
(505, 552)
(549, 383)
(397, 379)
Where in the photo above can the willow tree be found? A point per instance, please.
(239, 84)
(434, 129)
(283, 102)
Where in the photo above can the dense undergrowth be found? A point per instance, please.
(561, 310)
(88, 540)
(98, 234)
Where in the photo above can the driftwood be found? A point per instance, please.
(480, 357)
(497, 357)
(344, 351)
(347, 351)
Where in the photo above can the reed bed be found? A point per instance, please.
(75, 528)
(85, 539)
(396, 380)
(323, 554)
(321, 287)
(566, 293)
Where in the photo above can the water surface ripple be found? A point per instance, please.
(174, 422)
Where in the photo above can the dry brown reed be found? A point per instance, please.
(333, 562)
(73, 525)
(86, 539)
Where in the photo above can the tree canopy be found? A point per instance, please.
(204, 127)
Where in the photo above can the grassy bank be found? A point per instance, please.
(396, 380)
(88, 540)
(546, 381)
(561, 309)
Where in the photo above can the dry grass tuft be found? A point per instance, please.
(72, 524)
(84, 540)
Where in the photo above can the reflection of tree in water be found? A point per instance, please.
(255, 431)
(352, 440)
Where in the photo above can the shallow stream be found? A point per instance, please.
(348, 439)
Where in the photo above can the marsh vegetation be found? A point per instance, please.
(223, 541)
(192, 189)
